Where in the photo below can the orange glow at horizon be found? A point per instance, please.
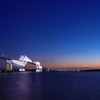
(74, 64)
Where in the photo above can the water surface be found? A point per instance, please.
(50, 86)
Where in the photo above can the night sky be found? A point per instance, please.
(58, 33)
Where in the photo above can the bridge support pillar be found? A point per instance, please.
(38, 70)
(48, 69)
(9, 67)
(21, 69)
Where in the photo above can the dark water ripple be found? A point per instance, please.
(50, 86)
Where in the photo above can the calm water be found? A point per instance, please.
(50, 86)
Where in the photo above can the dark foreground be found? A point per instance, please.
(50, 86)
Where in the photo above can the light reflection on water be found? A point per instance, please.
(50, 86)
(21, 86)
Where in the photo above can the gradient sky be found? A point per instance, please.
(58, 33)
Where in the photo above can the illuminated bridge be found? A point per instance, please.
(21, 63)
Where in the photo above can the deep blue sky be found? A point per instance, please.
(58, 33)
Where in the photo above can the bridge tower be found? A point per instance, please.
(9, 65)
